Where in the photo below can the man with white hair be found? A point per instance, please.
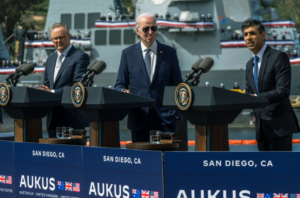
(147, 67)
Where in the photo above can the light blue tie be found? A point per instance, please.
(148, 62)
(256, 59)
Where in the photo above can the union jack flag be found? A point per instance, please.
(68, 186)
(280, 195)
(145, 193)
(2, 179)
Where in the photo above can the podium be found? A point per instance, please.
(212, 109)
(104, 108)
(28, 106)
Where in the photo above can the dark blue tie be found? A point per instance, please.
(148, 62)
(256, 59)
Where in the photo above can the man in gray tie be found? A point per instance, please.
(63, 68)
(268, 75)
(147, 67)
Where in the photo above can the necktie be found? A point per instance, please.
(57, 66)
(148, 63)
(256, 59)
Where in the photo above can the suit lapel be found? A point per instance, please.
(140, 60)
(263, 67)
(65, 63)
(251, 77)
(52, 63)
(159, 57)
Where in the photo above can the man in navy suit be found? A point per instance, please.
(63, 68)
(147, 67)
(268, 75)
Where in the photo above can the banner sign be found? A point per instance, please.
(46, 170)
(7, 170)
(122, 173)
(58, 171)
(232, 175)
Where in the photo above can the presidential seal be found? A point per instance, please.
(5, 94)
(78, 94)
(183, 96)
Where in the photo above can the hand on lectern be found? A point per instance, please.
(125, 90)
(44, 88)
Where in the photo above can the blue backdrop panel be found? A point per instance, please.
(227, 174)
(119, 172)
(48, 170)
(7, 169)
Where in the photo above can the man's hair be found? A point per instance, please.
(252, 22)
(57, 25)
(146, 14)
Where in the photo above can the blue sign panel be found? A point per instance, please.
(45, 170)
(122, 173)
(7, 169)
(232, 175)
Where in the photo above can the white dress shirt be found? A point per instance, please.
(260, 56)
(153, 53)
(57, 67)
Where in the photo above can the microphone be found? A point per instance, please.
(10, 76)
(195, 68)
(204, 67)
(89, 70)
(25, 70)
(97, 69)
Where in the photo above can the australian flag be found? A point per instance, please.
(264, 195)
(136, 193)
(60, 185)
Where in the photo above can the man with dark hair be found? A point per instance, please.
(268, 75)
(63, 68)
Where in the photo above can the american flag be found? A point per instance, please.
(280, 195)
(68, 186)
(153, 194)
(8, 179)
(136, 193)
(2, 179)
(76, 187)
(145, 193)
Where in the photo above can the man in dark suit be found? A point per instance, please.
(63, 68)
(147, 67)
(268, 75)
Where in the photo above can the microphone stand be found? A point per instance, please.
(196, 80)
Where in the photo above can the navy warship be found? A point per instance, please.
(195, 28)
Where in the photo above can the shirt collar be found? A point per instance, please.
(153, 47)
(65, 52)
(261, 52)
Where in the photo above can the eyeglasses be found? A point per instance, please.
(60, 38)
(146, 29)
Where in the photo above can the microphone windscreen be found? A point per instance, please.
(18, 69)
(196, 65)
(91, 65)
(27, 69)
(206, 64)
(99, 67)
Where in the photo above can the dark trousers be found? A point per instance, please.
(275, 144)
(154, 123)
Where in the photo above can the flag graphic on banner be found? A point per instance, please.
(76, 187)
(264, 195)
(145, 194)
(153, 194)
(8, 179)
(68, 186)
(2, 179)
(280, 195)
(60, 185)
(295, 195)
(136, 193)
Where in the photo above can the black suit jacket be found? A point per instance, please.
(274, 82)
(71, 71)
